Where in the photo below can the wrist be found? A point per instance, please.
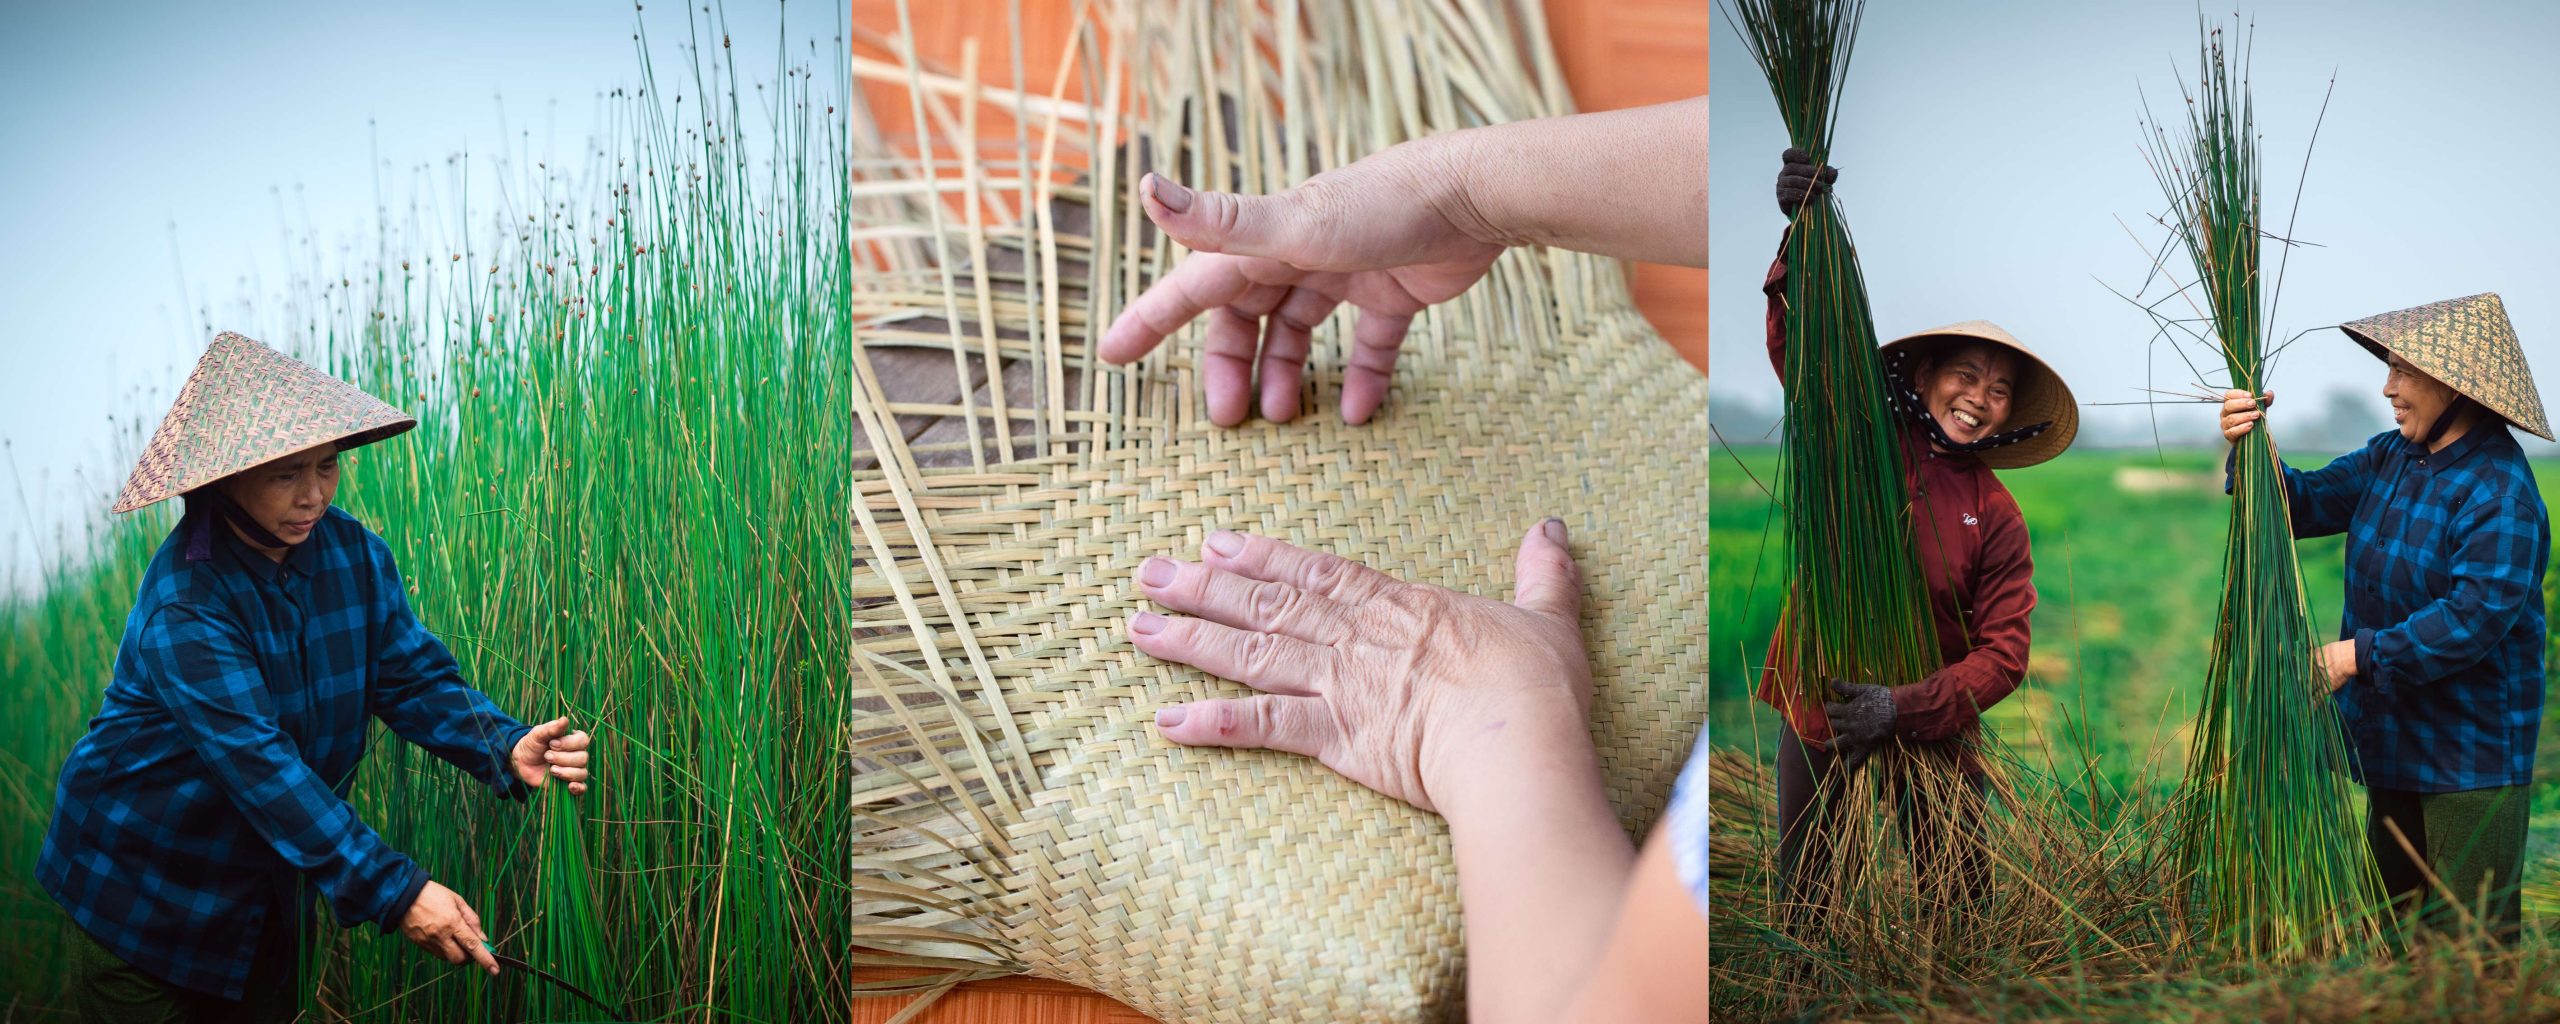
(1510, 755)
(396, 913)
(1466, 167)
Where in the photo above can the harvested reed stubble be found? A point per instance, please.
(1016, 810)
(2269, 839)
(2121, 951)
(2028, 884)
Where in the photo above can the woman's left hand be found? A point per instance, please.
(1404, 688)
(2338, 663)
(552, 751)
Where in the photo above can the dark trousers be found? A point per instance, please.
(2472, 841)
(107, 990)
(1810, 784)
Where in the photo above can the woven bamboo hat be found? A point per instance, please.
(2467, 343)
(2041, 396)
(246, 404)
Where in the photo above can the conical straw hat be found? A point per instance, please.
(247, 404)
(2041, 395)
(2466, 343)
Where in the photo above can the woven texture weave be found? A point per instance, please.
(247, 404)
(2469, 344)
(1026, 815)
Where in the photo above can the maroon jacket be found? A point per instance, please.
(1972, 544)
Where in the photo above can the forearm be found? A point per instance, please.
(1542, 868)
(1951, 699)
(313, 830)
(424, 699)
(1625, 183)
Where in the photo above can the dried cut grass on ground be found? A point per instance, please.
(2078, 923)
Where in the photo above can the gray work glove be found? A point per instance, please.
(1800, 180)
(1860, 722)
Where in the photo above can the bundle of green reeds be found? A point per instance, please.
(1858, 606)
(2269, 838)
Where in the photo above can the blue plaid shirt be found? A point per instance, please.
(2445, 556)
(217, 769)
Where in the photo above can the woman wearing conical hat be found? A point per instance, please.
(2438, 668)
(1973, 399)
(270, 629)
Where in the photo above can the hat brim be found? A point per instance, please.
(2384, 353)
(247, 405)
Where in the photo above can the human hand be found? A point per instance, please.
(1404, 688)
(1861, 720)
(1800, 180)
(1390, 234)
(552, 751)
(441, 923)
(2241, 413)
(2337, 661)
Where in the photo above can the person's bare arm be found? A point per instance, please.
(1399, 231)
(1542, 872)
(1654, 965)
(1626, 183)
(1468, 706)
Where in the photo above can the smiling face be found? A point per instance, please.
(288, 496)
(2416, 400)
(1967, 389)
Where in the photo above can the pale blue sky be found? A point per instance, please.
(1989, 149)
(153, 143)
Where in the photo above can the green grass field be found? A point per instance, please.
(2128, 549)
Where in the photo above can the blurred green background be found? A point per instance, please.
(2128, 548)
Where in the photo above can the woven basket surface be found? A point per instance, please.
(1029, 818)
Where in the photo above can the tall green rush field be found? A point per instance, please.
(2269, 836)
(626, 502)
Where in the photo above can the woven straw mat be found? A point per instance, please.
(1036, 822)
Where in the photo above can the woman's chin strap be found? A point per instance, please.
(217, 505)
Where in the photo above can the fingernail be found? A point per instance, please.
(1167, 718)
(1174, 197)
(1226, 543)
(1158, 572)
(1148, 623)
(1555, 529)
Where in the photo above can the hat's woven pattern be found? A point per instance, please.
(246, 404)
(1025, 814)
(2467, 343)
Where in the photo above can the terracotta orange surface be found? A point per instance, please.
(1615, 54)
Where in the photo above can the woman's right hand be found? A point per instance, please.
(1390, 234)
(442, 924)
(2241, 412)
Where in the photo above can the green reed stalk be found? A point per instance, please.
(2269, 840)
(1858, 607)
